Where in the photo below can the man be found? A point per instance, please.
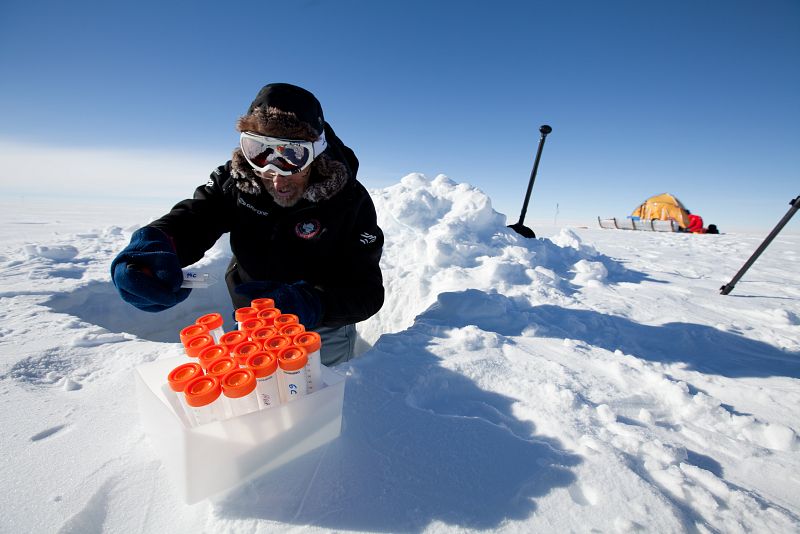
(303, 230)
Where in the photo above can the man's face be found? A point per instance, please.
(285, 190)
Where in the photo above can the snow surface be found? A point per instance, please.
(588, 380)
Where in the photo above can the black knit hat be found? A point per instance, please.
(284, 110)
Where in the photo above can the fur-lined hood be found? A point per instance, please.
(288, 111)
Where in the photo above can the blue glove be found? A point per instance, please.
(147, 273)
(299, 298)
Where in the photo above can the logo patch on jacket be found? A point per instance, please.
(307, 229)
(366, 238)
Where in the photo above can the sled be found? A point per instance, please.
(650, 225)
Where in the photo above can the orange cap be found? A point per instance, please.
(262, 363)
(244, 349)
(275, 343)
(261, 304)
(211, 320)
(248, 325)
(194, 345)
(191, 331)
(292, 329)
(286, 318)
(309, 341)
(221, 366)
(292, 358)
(260, 334)
(268, 314)
(181, 375)
(232, 338)
(238, 383)
(211, 353)
(248, 312)
(202, 390)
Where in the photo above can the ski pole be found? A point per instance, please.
(727, 288)
(519, 227)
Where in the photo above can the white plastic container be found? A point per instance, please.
(239, 387)
(312, 342)
(265, 366)
(214, 322)
(292, 381)
(243, 447)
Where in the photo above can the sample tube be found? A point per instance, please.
(177, 380)
(242, 314)
(312, 342)
(239, 387)
(292, 382)
(221, 366)
(268, 315)
(263, 303)
(211, 353)
(214, 322)
(261, 334)
(202, 396)
(248, 325)
(244, 349)
(192, 330)
(284, 319)
(195, 344)
(265, 366)
(291, 329)
(232, 338)
(276, 343)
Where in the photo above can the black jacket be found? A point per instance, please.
(334, 244)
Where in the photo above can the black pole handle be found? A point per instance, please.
(544, 129)
(727, 288)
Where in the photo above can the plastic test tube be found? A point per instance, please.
(292, 329)
(242, 314)
(202, 395)
(277, 342)
(232, 338)
(214, 322)
(221, 366)
(248, 325)
(260, 335)
(292, 381)
(284, 319)
(239, 387)
(212, 353)
(268, 315)
(191, 331)
(262, 304)
(244, 349)
(194, 345)
(265, 366)
(312, 342)
(177, 380)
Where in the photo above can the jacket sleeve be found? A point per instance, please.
(195, 224)
(358, 295)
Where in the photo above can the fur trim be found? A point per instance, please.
(328, 178)
(243, 176)
(276, 123)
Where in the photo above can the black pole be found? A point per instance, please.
(727, 288)
(519, 227)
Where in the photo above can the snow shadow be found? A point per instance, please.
(702, 348)
(99, 303)
(420, 444)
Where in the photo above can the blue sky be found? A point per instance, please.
(693, 97)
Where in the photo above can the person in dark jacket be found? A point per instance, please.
(303, 230)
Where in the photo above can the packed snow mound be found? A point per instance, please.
(444, 236)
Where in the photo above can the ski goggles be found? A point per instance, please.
(284, 156)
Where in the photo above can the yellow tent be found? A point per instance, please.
(664, 207)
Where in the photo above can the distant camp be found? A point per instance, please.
(660, 213)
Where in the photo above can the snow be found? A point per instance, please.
(586, 380)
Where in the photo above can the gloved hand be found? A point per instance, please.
(299, 298)
(147, 273)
